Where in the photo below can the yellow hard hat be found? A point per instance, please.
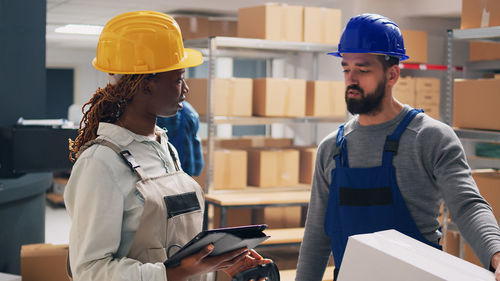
(143, 42)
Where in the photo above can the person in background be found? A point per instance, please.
(130, 203)
(182, 132)
(390, 166)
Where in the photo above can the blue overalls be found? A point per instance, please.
(366, 200)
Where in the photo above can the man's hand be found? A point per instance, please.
(495, 263)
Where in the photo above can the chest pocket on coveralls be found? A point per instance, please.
(181, 204)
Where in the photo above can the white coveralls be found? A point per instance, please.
(157, 211)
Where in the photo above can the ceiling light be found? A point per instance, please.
(80, 29)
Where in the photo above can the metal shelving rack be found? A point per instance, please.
(214, 47)
(490, 34)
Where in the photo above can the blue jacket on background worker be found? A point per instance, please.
(182, 131)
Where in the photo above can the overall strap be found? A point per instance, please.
(340, 153)
(174, 158)
(124, 154)
(392, 141)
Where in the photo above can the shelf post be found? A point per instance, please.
(209, 185)
(447, 115)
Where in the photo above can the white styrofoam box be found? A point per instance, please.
(392, 256)
(9, 277)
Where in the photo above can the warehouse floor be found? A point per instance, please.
(57, 225)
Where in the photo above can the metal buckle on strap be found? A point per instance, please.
(125, 154)
(391, 145)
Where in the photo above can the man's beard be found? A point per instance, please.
(367, 103)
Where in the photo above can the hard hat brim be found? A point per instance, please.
(339, 54)
(191, 58)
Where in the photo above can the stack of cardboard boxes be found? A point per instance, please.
(281, 22)
(419, 92)
(270, 163)
(272, 21)
(488, 182)
(258, 161)
(254, 161)
(269, 97)
(476, 101)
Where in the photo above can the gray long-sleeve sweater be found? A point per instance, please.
(430, 166)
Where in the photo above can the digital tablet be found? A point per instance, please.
(224, 240)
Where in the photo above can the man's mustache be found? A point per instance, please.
(354, 87)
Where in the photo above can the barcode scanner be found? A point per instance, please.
(269, 271)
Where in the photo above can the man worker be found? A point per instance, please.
(182, 132)
(390, 166)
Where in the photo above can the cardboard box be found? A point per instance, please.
(427, 85)
(451, 243)
(234, 143)
(322, 25)
(272, 22)
(279, 217)
(394, 256)
(276, 97)
(404, 90)
(470, 256)
(234, 217)
(480, 13)
(325, 98)
(193, 27)
(307, 163)
(483, 50)
(44, 262)
(230, 170)
(430, 109)
(452, 247)
(273, 168)
(476, 104)
(427, 90)
(233, 96)
(488, 182)
(247, 142)
(221, 27)
(266, 142)
(292, 18)
(416, 45)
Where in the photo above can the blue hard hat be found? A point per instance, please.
(372, 33)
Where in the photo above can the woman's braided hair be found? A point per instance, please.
(107, 105)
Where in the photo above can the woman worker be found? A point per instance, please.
(127, 197)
